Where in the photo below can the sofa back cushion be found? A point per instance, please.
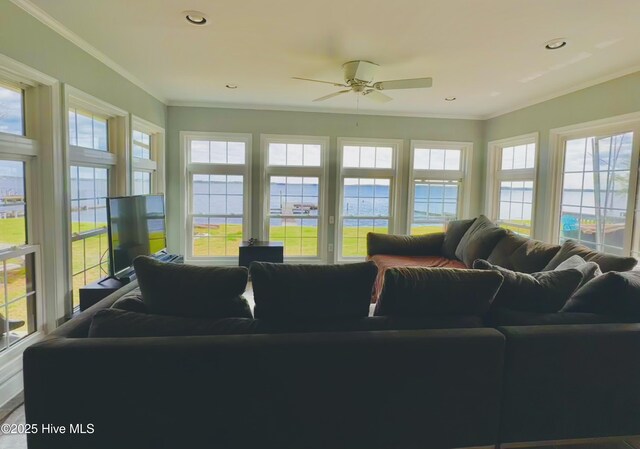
(613, 293)
(589, 270)
(405, 245)
(607, 262)
(522, 254)
(479, 240)
(544, 292)
(415, 291)
(312, 292)
(192, 291)
(455, 230)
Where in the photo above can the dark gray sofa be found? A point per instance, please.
(378, 389)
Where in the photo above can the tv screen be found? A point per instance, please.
(136, 228)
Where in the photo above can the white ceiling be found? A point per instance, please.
(488, 53)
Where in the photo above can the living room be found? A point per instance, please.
(485, 142)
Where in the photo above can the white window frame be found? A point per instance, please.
(463, 175)
(114, 159)
(394, 173)
(187, 169)
(321, 172)
(495, 175)
(155, 164)
(40, 149)
(557, 141)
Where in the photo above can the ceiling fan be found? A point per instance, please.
(358, 78)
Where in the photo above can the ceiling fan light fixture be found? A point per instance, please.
(555, 44)
(196, 17)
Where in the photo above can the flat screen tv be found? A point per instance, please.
(136, 228)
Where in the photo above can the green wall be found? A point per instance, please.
(314, 124)
(25, 39)
(609, 99)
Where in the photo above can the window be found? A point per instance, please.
(89, 188)
(436, 190)
(147, 158)
(87, 130)
(217, 213)
(295, 178)
(511, 181)
(11, 110)
(94, 174)
(18, 257)
(367, 187)
(596, 192)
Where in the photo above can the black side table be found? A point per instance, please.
(260, 251)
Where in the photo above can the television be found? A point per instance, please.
(136, 227)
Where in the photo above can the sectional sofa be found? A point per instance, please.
(309, 368)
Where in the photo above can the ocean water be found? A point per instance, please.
(432, 202)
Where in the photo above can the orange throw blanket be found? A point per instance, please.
(388, 261)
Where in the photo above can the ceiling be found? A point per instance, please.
(489, 54)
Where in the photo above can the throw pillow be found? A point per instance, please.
(192, 291)
(312, 292)
(518, 253)
(612, 293)
(607, 262)
(544, 292)
(417, 291)
(479, 240)
(455, 230)
(405, 245)
(589, 270)
(131, 302)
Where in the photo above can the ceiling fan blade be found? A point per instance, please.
(335, 94)
(414, 83)
(376, 96)
(319, 81)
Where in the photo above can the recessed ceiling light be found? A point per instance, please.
(555, 44)
(231, 86)
(195, 17)
(450, 98)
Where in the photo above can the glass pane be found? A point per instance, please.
(519, 156)
(11, 113)
(218, 152)
(293, 206)
(85, 130)
(236, 152)
(312, 155)
(277, 154)
(367, 157)
(100, 139)
(596, 192)
(294, 154)
(452, 161)
(384, 157)
(507, 158)
(351, 156)
(73, 129)
(435, 204)
(200, 151)
(12, 204)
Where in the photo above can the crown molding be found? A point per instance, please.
(72, 37)
(263, 107)
(563, 92)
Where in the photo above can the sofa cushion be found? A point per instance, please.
(455, 230)
(607, 262)
(414, 291)
(589, 270)
(405, 245)
(131, 303)
(612, 293)
(544, 292)
(479, 240)
(121, 323)
(522, 254)
(312, 292)
(192, 291)
(384, 261)
(501, 316)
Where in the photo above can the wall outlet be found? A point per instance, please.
(330, 247)
(332, 220)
